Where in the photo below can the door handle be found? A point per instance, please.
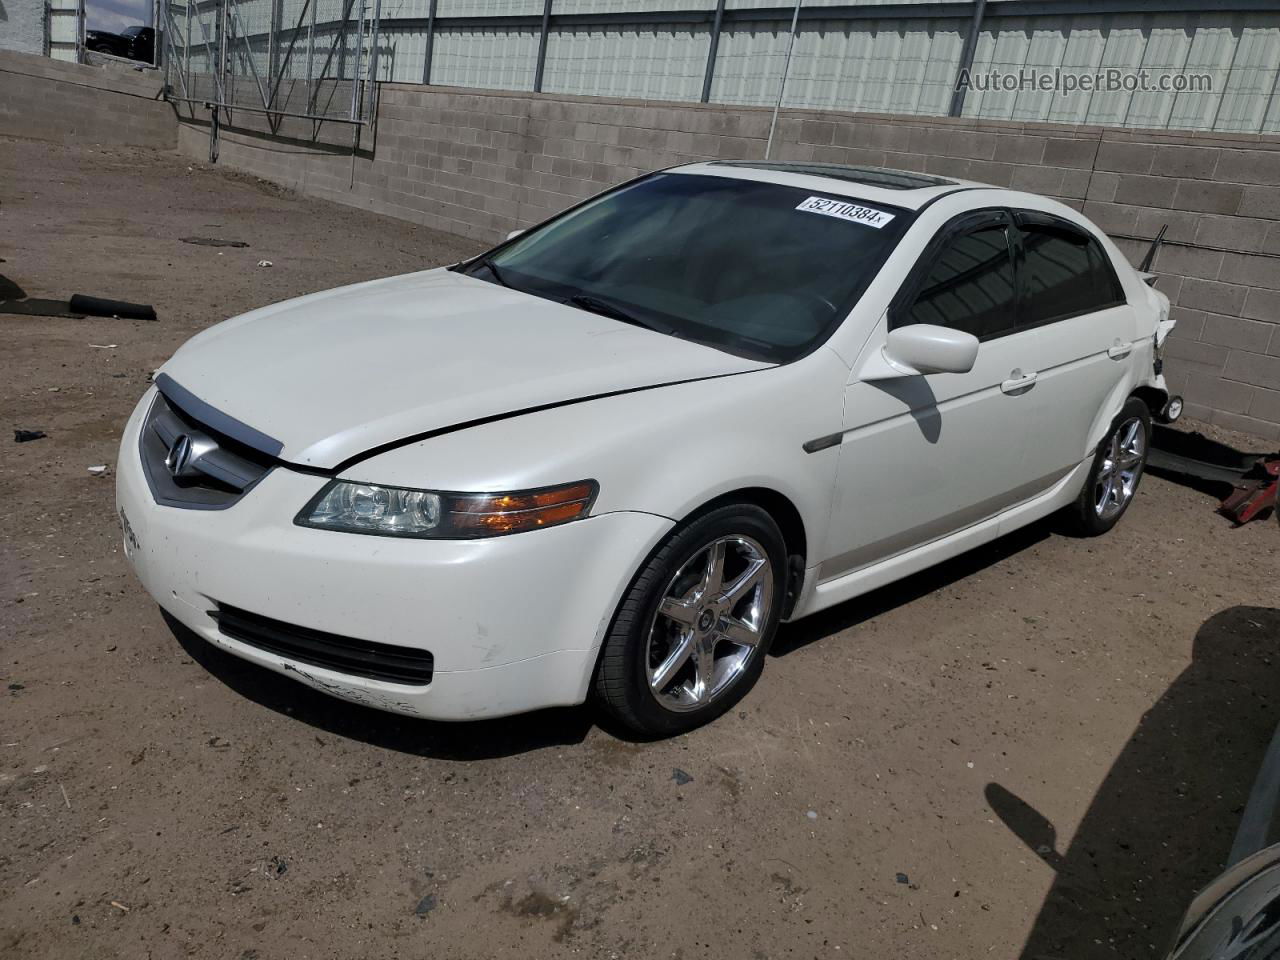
(1119, 350)
(1018, 382)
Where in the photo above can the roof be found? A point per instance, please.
(901, 188)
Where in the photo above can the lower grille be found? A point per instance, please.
(359, 658)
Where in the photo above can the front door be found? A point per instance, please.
(927, 455)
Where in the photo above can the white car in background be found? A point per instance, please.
(605, 459)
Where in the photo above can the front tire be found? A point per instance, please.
(1117, 468)
(691, 634)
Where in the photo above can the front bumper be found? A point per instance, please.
(513, 623)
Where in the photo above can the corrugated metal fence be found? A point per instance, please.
(900, 58)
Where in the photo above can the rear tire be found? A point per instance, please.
(1116, 471)
(690, 636)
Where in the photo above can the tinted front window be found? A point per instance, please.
(1065, 274)
(728, 262)
(969, 287)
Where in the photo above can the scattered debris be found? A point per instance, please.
(265, 263)
(903, 878)
(425, 905)
(17, 686)
(65, 798)
(39, 307)
(26, 436)
(811, 814)
(75, 919)
(1250, 481)
(680, 777)
(98, 470)
(213, 242)
(119, 906)
(104, 346)
(100, 307)
(280, 865)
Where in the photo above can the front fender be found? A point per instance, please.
(665, 451)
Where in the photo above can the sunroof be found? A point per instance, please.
(870, 176)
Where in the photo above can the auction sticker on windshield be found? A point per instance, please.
(846, 211)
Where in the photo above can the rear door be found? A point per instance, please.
(1072, 310)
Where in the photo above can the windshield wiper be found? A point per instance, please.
(606, 309)
(488, 264)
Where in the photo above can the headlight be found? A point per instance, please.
(400, 512)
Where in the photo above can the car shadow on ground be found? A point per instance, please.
(1161, 824)
(475, 740)
(795, 636)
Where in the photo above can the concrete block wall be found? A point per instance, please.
(50, 100)
(480, 163)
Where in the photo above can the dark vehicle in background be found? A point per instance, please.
(135, 43)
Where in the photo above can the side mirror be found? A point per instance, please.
(513, 234)
(924, 348)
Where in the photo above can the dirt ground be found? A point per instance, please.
(1039, 750)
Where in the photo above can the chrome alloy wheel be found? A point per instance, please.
(1121, 465)
(709, 623)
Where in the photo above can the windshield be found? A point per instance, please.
(758, 269)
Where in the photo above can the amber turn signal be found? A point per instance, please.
(499, 513)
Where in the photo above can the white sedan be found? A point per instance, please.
(603, 460)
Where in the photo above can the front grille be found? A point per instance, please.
(216, 470)
(359, 658)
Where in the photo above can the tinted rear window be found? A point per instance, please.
(1064, 275)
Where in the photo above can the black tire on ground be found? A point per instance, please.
(621, 687)
(1085, 517)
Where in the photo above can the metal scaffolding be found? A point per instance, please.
(315, 60)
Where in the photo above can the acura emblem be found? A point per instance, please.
(178, 456)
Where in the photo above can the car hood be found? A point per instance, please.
(335, 374)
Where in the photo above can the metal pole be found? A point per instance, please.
(782, 85)
(248, 52)
(542, 47)
(355, 76)
(186, 49)
(224, 52)
(966, 58)
(273, 52)
(431, 42)
(371, 85)
(160, 20)
(712, 50)
(167, 38)
(311, 58)
(340, 39)
(285, 61)
(213, 51)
